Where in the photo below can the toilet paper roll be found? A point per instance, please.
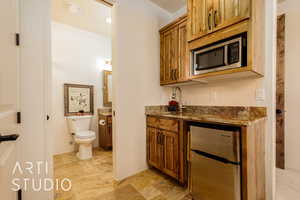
(102, 122)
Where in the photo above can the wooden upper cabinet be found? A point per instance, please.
(173, 52)
(170, 53)
(197, 18)
(228, 12)
(206, 16)
(182, 72)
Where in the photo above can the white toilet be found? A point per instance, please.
(79, 127)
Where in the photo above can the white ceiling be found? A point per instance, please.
(88, 15)
(170, 5)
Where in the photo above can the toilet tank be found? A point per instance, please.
(79, 123)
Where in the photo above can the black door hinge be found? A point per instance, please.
(19, 117)
(6, 138)
(17, 39)
(48, 117)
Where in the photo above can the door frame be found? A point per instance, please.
(280, 132)
(35, 90)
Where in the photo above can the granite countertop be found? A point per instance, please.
(237, 116)
(106, 114)
(105, 111)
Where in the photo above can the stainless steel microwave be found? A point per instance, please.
(223, 55)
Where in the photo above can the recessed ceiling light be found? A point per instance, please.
(108, 20)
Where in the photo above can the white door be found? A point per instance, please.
(9, 94)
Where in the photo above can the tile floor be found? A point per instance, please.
(287, 185)
(93, 180)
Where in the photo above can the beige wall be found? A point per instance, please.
(226, 93)
(135, 80)
(292, 10)
(91, 15)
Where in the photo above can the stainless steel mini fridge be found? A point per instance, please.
(215, 163)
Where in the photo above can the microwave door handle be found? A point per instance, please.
(226, 55)
(240, 52)
(195, 63)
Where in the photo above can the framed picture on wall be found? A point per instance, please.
(78, 99)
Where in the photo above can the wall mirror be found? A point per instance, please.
(107, 88)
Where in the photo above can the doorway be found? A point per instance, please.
(287, 142)
(81, 62)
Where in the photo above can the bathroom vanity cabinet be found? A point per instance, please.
(105, 131)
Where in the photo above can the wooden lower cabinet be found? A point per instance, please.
(170, 152)
(168, 141)
(105, 132)
(163, 146)
(153, 147)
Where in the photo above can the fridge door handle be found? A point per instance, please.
(213, 157)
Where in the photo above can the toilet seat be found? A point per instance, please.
(85, 134)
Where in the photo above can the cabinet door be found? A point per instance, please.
(198, 18)
(152, 147)
(105, 132)
(171, 154)
(109, 135)
(169, 60)
(162, 58)
(228, 12)
(182, 72)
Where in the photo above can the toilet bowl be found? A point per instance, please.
(80, 129)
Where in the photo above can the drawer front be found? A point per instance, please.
(169, 124)
(153, 122)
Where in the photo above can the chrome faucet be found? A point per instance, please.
(181, 107)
